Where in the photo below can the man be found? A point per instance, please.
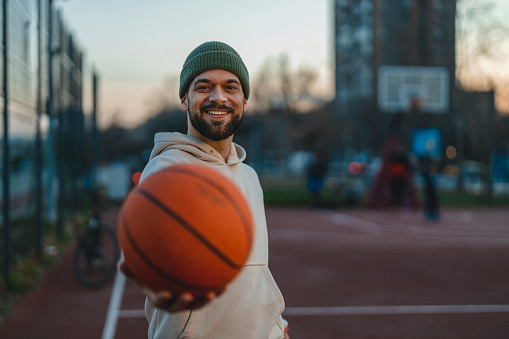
(214, 89)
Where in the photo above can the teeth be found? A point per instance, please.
(216, 112)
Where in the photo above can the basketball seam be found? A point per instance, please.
(156, 268)
(232, 201)
(188, 227)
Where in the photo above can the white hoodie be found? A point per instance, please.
(251, 306)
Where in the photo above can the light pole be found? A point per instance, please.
(51, 116)
(95, 134)
(6, 194)
(38, 140)
(54, 213)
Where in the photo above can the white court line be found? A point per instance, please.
(369, 310)
(388, 310)
(110, 326)
(369, 227)
(354, 223)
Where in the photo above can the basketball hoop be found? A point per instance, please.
(416, 104)
(405, 89)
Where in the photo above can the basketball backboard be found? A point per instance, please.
(402, 89)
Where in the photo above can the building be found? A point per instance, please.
(373, 33)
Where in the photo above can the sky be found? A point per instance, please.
(136, 45)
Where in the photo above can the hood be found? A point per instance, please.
(171, 140)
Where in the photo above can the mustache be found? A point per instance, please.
(215, 106)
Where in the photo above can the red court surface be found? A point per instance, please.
(344, 274)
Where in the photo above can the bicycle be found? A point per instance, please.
(96, 255)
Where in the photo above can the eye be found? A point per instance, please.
(232, 88)
(202, 87)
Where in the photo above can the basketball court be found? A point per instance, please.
(344, 274)
(389, 274)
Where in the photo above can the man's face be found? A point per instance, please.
(215, 103)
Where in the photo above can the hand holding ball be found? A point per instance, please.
(186, 228)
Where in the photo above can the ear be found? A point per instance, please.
(183, 103)
(245, 104)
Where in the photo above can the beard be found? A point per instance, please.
(217, 130)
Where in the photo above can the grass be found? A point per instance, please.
(291, 191)
(283, 192)
(25, 276)
(469, 199)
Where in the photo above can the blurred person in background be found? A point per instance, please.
(431, 202)
(398, 171)
(316, 172)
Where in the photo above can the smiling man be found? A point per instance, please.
(215, 103)
(214, 89)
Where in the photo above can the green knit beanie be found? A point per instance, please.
(213, 55)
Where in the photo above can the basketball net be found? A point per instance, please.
(416, 104)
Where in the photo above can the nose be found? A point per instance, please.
(217, 95)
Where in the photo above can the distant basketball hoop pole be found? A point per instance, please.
(415, 104)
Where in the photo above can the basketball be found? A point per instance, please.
(186, 228)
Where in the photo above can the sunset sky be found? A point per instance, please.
(137, 45)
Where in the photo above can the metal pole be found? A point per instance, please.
(38, 140)
(95, 141)
(6, 195)
(51, 115)
(490, 121)
(57, 134)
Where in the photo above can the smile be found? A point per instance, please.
(217, 112)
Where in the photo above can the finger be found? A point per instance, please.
(201, 301)
(159, 299)
(169, 302)
(182, 301)
(173, 303)
(122, 266)
(218, 293)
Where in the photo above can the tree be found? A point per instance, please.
(481, 35)
(277, 87)
(165, 97)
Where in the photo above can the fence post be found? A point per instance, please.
(6, 194)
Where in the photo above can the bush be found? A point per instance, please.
(24, 276)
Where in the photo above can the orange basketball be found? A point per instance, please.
(185, 228)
